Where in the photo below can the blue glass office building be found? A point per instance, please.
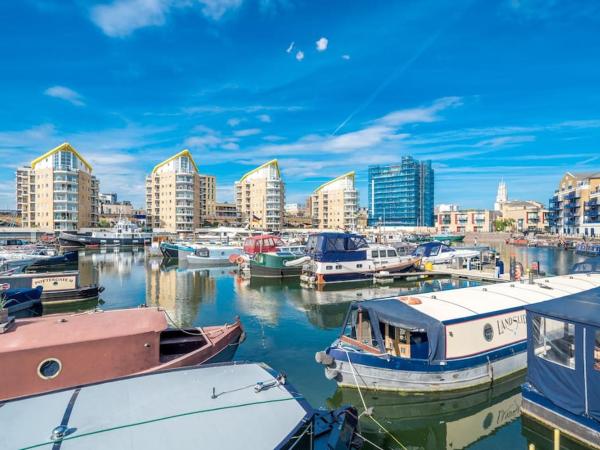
(401, 194)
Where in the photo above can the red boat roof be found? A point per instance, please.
(61, 329)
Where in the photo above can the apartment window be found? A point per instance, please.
(554, 341)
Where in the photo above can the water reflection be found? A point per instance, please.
(432, 421)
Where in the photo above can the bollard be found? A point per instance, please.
(556, 439)
(531, 446)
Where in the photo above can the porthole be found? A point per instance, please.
(49, 368)
(488, 332)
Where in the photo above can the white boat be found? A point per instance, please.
(124, 233)
(443, 341)
(213, 255)
(440, 253)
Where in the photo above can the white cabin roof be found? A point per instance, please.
(467, 302)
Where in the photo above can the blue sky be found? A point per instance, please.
(486, 89)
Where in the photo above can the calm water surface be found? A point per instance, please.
(286, 324)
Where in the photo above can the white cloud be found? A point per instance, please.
(322, 44)
(234, 122)
(247, 132)
(290, 48)
(265, 118)
(346, 57)
(273, 138)
(231, 146)
(65, 93)
(300, 55)
(122, 17)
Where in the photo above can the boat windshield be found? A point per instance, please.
(202, 252)
(358, 328)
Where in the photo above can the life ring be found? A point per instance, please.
(320, 279)
(410, 300)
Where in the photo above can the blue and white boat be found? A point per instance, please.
(442, 341)
(440, 253)
(348, 257)
(220, 406)
(587, 249)
(562, 390)
(176, 250)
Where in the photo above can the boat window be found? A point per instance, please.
(357, 242)
(420, 251)
(359, 266)
(446, 249)
(597, 352)
(435, 251)
(335, 244)
(374, 254)
(391, 253)
(361, 329)
(202, 252)
(554, 341)
(328, 267)
(49, 368)
(338, 266)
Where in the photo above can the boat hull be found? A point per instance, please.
(169, 250)
(81, 240)
(77, 295)
(260, 271)
(477, 376)
(208, 262)
(68, 260)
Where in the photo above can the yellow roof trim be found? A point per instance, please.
(349, 174)
(185, 152)
(267, 164)
(65, 146)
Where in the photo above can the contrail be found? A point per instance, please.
(401, 68)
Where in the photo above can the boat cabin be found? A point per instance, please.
(431, 249)
(57, 351)
(563, 362)
(262, 244)
(333, 247)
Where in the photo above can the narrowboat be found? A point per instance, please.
(176, 250)
(123, 234)
(440, 253)
(213, 255)
(63, 350)
(562, 390)
(348, 257)
(218, 406)
(59, 287)
(276, 265)
(443, 341)
(587, 249)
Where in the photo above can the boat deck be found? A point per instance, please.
(211, 406)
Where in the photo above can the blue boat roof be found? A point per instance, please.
(583, 307)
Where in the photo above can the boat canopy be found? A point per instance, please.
(432, 249)
(332, 247)
(563, 348)
(262, 244)
(397, 313)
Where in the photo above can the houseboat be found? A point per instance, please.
(123, 234)
(176, 250)
(439, 253)
(280, 264)
(59, 287)
(562, 390)
(218, 406)
(348, 257)
(20, 302)
(263, 243)
(442, 341)
(56, 262)
(213, 255)
(60, 351)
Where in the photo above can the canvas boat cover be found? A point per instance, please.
(575, 389)
(334, 247)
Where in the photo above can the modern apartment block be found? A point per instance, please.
(260, 197)
(573, 209)
(208, 196)
(334, 205)
(401, 194)
(528, 215)
(173, 195)
(466, 221)
(57, 191)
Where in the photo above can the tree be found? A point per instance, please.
(504, 224)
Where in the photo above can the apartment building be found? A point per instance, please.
(260, 197)
(573, 209)
(57, 191)
(466, 221)
(208, 196)
(173, 195)
(401, 194)
(527, 215)
(334, 205)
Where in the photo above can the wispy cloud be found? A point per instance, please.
(65, 93)
(247, 132)
(346, 57)
(234, 121)
(123, 17)
(265, 118)
(290, 48)
(322, 44)
(300, 55)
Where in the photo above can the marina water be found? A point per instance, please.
(286, 324)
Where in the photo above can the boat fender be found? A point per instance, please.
(331, 374)
(240, 260)
(242, 337)
(324, 358)
(101, 289)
